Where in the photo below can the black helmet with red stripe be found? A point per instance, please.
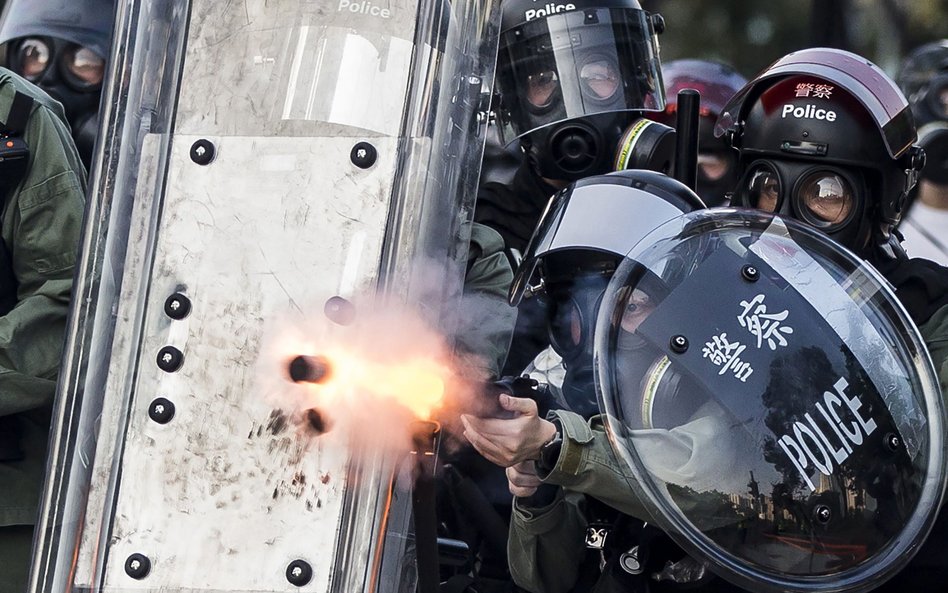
(824, 136)
(716, 83)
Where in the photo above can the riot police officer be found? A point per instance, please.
(717, 83)
(571, 81)
(579, 242)
(63, 47)
(734, 350)
(827, 138)
(772, 333)
(923, 78)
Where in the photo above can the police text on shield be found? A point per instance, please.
(828, 441)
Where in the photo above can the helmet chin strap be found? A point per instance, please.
(888, 248)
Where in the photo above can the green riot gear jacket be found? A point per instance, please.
(40, 226)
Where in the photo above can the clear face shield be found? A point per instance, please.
(573, 220)
(574, 64)
(773, 400)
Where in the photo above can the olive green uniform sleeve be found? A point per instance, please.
(587, 463)
(486, 320)
(696, 454)
(41, 224)
(545, 545)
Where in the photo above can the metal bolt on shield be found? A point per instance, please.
(177, 306)
(202, 152)
(161, 410)
(750, 273)
(299, 573)
(170, 359)
(137, 566)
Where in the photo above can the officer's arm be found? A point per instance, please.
(587, 463)
(695, 455)
(486, 320)
(41, 228)
(546, 545)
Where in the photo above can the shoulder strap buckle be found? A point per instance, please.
(19, 115)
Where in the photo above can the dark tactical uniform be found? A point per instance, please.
(513, 210)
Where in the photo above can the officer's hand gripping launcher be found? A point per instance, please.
(319, 370)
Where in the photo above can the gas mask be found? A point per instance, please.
(62, 46)
(572, 311)
(585, 231)
(69, 73)
(572, 83)
(599, 144)
(830, 198)
(826, 137)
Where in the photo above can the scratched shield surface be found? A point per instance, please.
(259, 160)
(229, 492)
(229, 478)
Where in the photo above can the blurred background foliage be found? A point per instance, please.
(751, 34)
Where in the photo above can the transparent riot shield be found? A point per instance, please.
(773, 401)
(258, 160)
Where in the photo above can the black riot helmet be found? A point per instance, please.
(923, 78)
(716, 83)
(571, 78)
(62, 46)
(824, 136)
(582, 236)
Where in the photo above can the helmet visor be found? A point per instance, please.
(574, 64)
(574, 220)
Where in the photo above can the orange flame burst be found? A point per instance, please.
(416, 383)
(374, 377)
